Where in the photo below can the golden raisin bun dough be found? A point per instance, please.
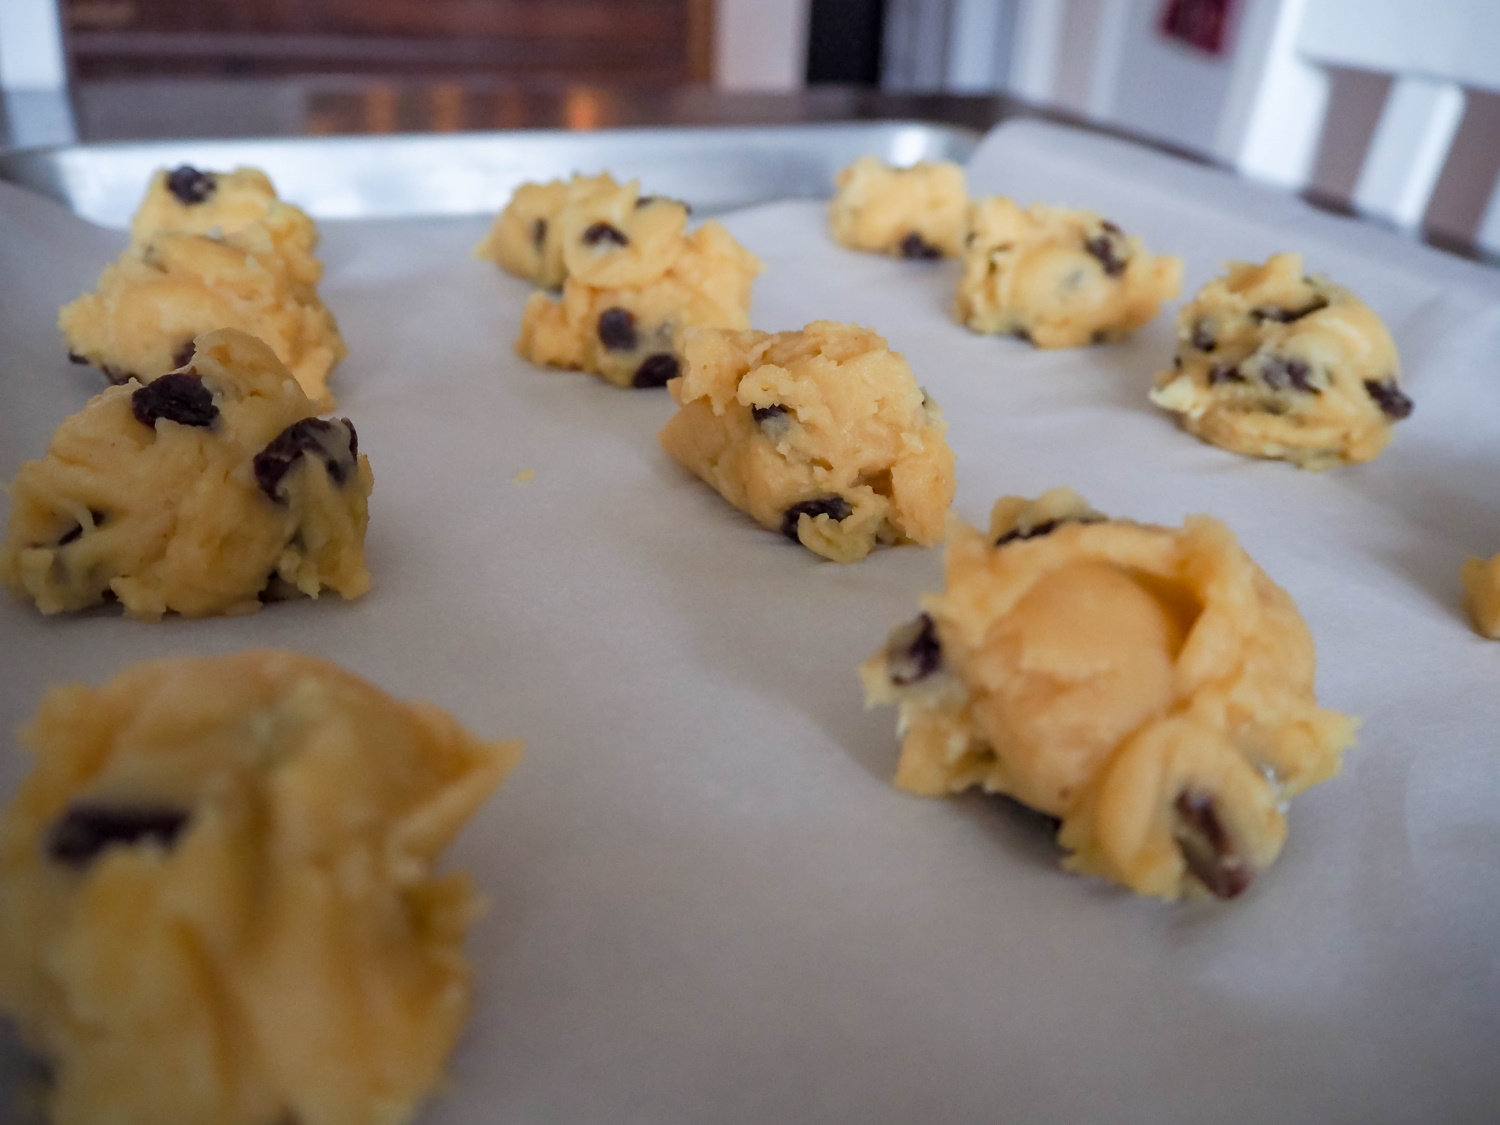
(1147, 686)
(1273, 363)
(822, 434)
(915, 212)
(1056, 277)
(201, 492)
(217, 895)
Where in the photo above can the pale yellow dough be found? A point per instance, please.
(1272, 363)
(257, 274)
(822, 434)
(1057, 277)
(1482, 594)
(915, 212)
(625, 302)
(249, 497)
(217, 897)
(203, 203)
(1148, 686)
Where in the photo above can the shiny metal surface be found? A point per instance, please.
(411, 176)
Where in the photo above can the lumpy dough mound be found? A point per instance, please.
(1273, 363)
(217, 897)
(822, 434)
(199, 493)
(1482, 593)
(527, 237)
(187, 201)
(261, 278)
(1058, 278)
(1148, 686)
(915, 212)
(635, 281)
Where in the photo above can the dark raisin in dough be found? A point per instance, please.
(1206, 847)
(617, 329)
(604, 232)
(834, 507)
(191, 186)
(334, 442)
(916, 654)
(1390, 398)
(656, 370)
(85, 830)
(916, 247)
(180, 397)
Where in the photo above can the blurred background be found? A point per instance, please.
(1387, 107)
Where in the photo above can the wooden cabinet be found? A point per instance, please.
(646, 42)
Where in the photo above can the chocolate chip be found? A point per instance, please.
(1285, 316)
(334, 442)
(617, 329)
(183, 355)
(1224, 373)
(915, 246)
(1203, 336)
(538, 232)
(834, 507)
(117, 375)
(1105, 249)
(180, 397)
(1280, 372)
(914, 652)
(656, 370)
(604, 232)
(74, 357)
(1389, 398)
(764, 414)
(86, 830)
(191, 186)
(1206, 848)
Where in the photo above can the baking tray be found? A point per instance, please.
(715, 169)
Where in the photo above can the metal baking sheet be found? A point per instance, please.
(421, 176)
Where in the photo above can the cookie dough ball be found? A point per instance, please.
(915, 212)
(526, 239)
(200, 492)
(1272, 363)
(627, 297)
(262, 280)
(1058, 278)
(821, 434)
(1482, 592)
(1147, 686)
(188, 201)
(217, 897)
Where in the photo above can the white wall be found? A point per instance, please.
(758, 44)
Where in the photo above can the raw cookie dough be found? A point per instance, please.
(200, 493)
(1482, 593)
(1058, 278)
(217, 898)
(821, 434)
(915, 212)
(1272, 363)
(188, 201)
(527, 236)
(260, 279)
(635, 280)
(1149, 687)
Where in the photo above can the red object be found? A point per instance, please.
(1203, 24)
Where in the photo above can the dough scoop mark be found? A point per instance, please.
(191, 186)
(1392, 401)
(656, 370)
(538, 232)
(617, 330)
(604, 232)
(1206, 847)
(183, 355)
(86, 830)
(1280, 373)
(834, 507)
(180, 397)
(916, 247)
(914, 652)
(1203, 336)
(335, 442)
(1286, 316)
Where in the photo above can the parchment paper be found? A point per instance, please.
(708, 904)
